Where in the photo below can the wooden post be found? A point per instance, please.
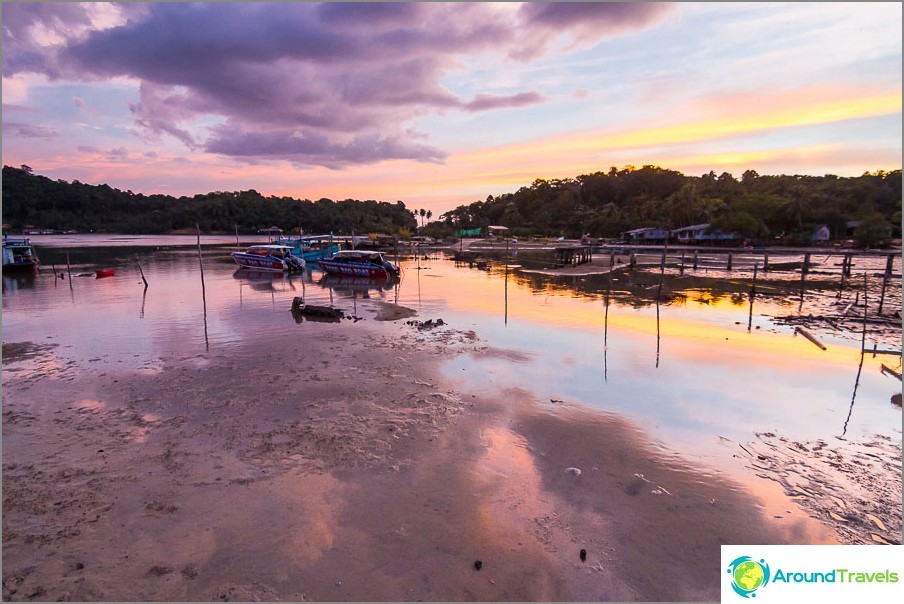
(765, 262)
(633, 261)
(55, 276)
(203, 289)
(806, 267)
(695, 260)
(69, 270)
(844, 272)
(850, 264)
(611, 259)
(681, 266)
(142, 272)
(729, 260)
(884, 285)
(752, 295)
(865, 309)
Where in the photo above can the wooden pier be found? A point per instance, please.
(573, 255)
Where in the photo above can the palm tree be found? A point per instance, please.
(423, 213)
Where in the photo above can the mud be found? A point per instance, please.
(336, 465)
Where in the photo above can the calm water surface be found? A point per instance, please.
(689, 372)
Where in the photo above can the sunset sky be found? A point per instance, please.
(440, 105)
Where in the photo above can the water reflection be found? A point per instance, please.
(589, 340)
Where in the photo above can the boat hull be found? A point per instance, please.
(259, 263)
(21, 267)
(353, 269)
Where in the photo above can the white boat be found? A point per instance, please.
(18, 254)
(269, 257)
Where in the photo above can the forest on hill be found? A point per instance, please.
(31, 200)
(766, 209)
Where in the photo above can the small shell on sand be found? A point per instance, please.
(573, 471)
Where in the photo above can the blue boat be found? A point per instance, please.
(309, 247)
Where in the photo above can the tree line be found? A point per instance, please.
(765, 209)
(31, 200)
(762, 208)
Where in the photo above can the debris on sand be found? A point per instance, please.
(428, 324)
(854, 486)
(301, 311)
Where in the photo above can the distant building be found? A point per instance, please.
(822, 233)
(493, 231)
(650, 235)
(700, 234)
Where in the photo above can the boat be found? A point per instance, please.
(19, 254)
(309, 247)
(104, 272)
(269, 257)
(359, 263)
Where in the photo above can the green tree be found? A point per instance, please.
(874, 231)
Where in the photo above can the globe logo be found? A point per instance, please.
(748, 575)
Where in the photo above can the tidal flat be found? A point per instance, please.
(168, 444)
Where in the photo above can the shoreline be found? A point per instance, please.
(355, 471)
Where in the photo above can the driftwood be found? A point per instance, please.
(809, 336)
(887, 369)
(318, 313)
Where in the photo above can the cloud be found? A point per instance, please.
(584, 22)
(328, 84)
(483, 102)
(28, 130)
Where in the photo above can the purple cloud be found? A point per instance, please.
(329, 84)
(28, 130)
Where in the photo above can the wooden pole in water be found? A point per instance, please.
(69, 270)
(844, 273)
(203, 289)
(765, 262)
(606, 316)
(55, 276)
(752, 295)
(729, 260)
(865, 308)
(142, 272)
(885, 277)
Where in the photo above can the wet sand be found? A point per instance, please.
(337, 465)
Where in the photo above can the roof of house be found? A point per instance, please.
(695, 227)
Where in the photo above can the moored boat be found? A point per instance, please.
(309, 247)
(269, 257)
(359, 263)
(19, 254)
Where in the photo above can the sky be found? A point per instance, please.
(440, 105)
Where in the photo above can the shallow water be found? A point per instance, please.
(689, 373)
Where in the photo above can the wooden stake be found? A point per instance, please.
(69, 270)
(142, 272)
(203, 289)
(752, 295)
